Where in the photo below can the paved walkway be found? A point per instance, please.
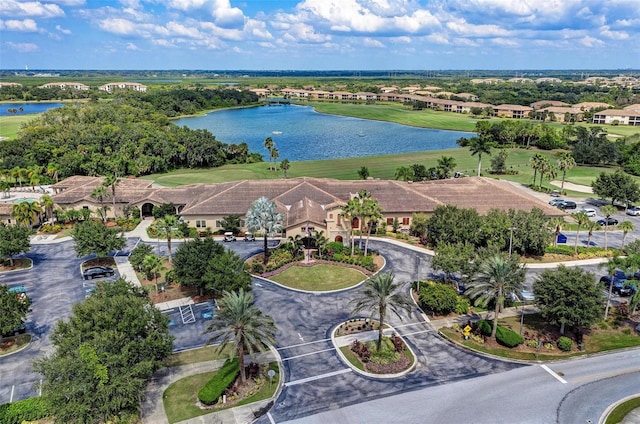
(153, 406)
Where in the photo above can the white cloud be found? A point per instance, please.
(62, 30)
(180, 30)
(22, 47)
(131, 46)
(31, 8)
(589, 41)
(464, 28)
(118, 26)
(305, 33)
(186, 5)
(507, 42)
(372, 42)
(401, 40)
(68, 2)
(615, 35)
(26, 25)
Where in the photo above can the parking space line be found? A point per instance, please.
(317, 377)
(308, 354)
(554, 374)
(302, 344)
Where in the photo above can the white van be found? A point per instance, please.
(228, 236)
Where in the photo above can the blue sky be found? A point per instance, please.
(320, 34)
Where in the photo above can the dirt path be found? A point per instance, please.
(574, 187)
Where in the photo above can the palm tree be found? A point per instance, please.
(363, 198)
(478, 146)
(321, 241)
(565, 163)
(99, 193)
(47, 203)
(497, 278)
(24, 212)
(296, 244)
(349, 212)
(626, 226)
(404, 173)
(446, 164)
(241, 323)
(591, 227)
(263, 218)
(581, 219)
(607, 211)
(614, 263)
(5, 186)
(373, 215)
(53, 170)
(549, 171)
(152, 266)
(557, 223)
(379, 294)
(167, 227)
(268, 144)
(112, 181)
(285, 165)
(274, 155)
(535, 162)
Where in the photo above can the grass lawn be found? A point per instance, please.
(18, 263)
(620, 411)
(9, 125)
(319, 277)
(11, 344)
(180, 397)
(193, 356)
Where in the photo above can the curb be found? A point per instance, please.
(368, 374)
(610, 408)
(19, 350)
(21, 269)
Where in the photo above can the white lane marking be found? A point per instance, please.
(300, 337)
(11, 397)
(554, 374)
(317, 377)
(308, 354)
(303, 344)
(258, 284)
(271, 420)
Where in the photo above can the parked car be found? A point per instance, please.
(555, 193)
(635, 211)
(99, 271)
(228, 236)
(607, 221)
(249, 237)
(567, 204)
(620, 286)
(590, 212)
(556, 201)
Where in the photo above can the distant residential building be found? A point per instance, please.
(548, 80)
(512, 111)
(634, 108)
(66, 85)
(617, 117)
(10, 84)
(546, 103)
(589, 106)
(113, 86)
(521, 80)
(563, 114)
(486, 81)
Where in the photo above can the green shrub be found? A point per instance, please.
(438, 298)
(463, 305)
(138, 254)
(335, 246)
(24, 410)
(280, 257)
(564, 344)
(367, 263)
(257, 268)
(508, 338)
(338, 257)
(211, 392)
(485, 327)
(532, 344)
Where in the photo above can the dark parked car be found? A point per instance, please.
(99, 271)
(607, 221)
(619, 285)
(567, 204)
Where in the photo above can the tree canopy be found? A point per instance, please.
(191, 262)
(14, 310)
(14, 239)
(617, 186)
(568, 297)
(104, 355)
(93, 236)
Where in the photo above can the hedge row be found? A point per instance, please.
(504, 336)
(211, 392)
(25, 410)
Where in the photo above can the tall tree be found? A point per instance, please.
(479, 146)
(581, 219)
(348, 214)
(95, 237)
(47, 204)
(264, 219)
(14, 310)
(536, 163)
(565, 163)
(167, 227)
(100, 193)
(53, 170)
(111, 182)
(626, 227)
(14, 239)
(607, 211)
(617, 186)
(26, 212)
(104, 354)
(269, 144)
(446, 165)
(191, 262)
(373, 214)
(614, 263)
(378, 295)
(591, 226)
(285, 165)
(568, 296)
(273, 156)
(497, 278)
(152, 267)
(241, 323)
(226, 272)
(403, 173)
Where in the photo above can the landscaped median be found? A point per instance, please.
(355, 341)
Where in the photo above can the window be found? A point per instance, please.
(330, 216)
(405, 221)
(242, 223)
(389, 221)
(218, 223)
(201, 223)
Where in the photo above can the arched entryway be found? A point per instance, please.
(338, 239)
(147, 210)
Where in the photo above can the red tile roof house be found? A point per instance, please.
(512, 111)
(305, 202)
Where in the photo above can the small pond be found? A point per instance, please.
(26, 108)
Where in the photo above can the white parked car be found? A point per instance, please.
(589, 212)
(635, 211)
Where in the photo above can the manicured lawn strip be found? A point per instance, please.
(352, 357)
(620, 411)
(21, 341)
(193, 356)
(604, 340)
(180, 397)
(319, 277)
(10, 125)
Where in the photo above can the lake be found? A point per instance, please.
(27, 108)
(301, 133)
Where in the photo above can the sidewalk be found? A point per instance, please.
(463, 319)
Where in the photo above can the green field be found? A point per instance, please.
(9, 125)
